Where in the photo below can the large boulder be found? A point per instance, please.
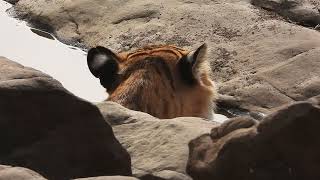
(47, 129)
(257, 56)
(158, 148)
(18, 173)
(285, 145)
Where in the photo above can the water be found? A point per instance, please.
(64, 63)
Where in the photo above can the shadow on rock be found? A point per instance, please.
(285, 145)
(303, 12)
(45, 128)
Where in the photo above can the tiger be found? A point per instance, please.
(164, 81)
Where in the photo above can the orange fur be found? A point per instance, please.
(151, 83)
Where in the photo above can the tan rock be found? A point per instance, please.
(46, 128)
(18, 173)
(304, 12)
(284, 145)
(154, 145)
(109, 178)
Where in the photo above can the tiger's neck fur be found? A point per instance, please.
(153, 89)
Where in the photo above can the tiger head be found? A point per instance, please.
(164, 81)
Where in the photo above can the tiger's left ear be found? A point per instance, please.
(190, 65)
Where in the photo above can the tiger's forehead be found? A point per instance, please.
(159, 50)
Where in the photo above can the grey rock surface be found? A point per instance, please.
(18, 173)
(109, 178)
(284, 145)
(155, 145)
(47, 129)
(257, 54)
(303, 12)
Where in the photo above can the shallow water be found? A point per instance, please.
(64, 63)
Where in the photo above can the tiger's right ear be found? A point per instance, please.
(103, 64)
(192, 64)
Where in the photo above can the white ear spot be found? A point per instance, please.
(98, 61)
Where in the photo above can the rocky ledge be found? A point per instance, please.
(284, 145)
(264, 53)
(47, 129)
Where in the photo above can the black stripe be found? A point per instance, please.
(149, 63)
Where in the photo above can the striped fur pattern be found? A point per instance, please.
(164, 81)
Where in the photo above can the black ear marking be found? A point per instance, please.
(101, 60)
(185, 68)
(194, 56)
(103, 64)
(188, 63)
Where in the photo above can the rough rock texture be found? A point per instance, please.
(256, 55)
(109, 178)
(154, 145)
(18, 173)
(47, 129)
(285, 145)
(162, 175)
(171, 175)
(304, 12)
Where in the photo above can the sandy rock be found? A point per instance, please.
(171, 175)
(304, 12)
(18, 173)
(154, 145)
(284, 145)
(109, 178)
(47, 129)
(162, 175)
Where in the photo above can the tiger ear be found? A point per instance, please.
(190, 65)
(103, 64)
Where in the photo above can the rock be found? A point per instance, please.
(232, 125)
(42, 33)
(12, 1)
(109, 178)
(304, 12)
(154, 145)
(45, 128)
(162, 175)
(284, 145)
(253, 51)
(220, 118)
(171, 175)
(18, 173)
